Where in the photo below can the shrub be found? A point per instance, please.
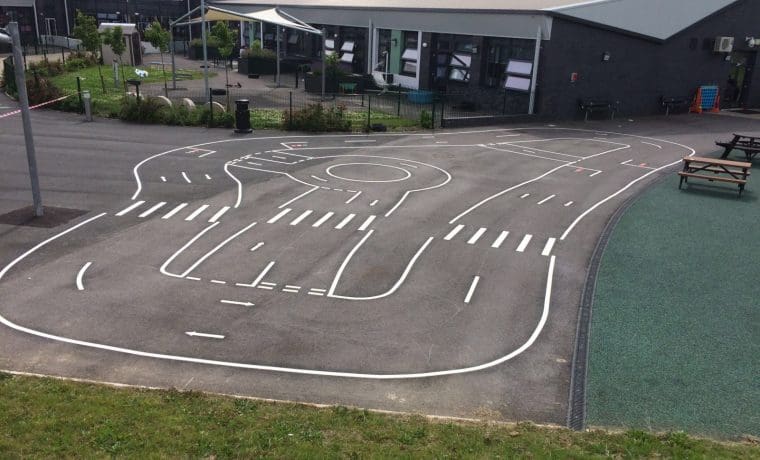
(221, 119)
(75, 63)
(145, 110)
(426, 119)
(46, 68)
(9, 78)
(314, 118)
(211, 42)
(40, 90)
(257, 51)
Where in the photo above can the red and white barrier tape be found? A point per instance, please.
(16, 112)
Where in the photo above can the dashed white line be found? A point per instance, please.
(374, 202)
(267, 283)
(292, 286)
(187, 179)
(208, 177)
(196, 213)
(318, 178)
(303, 216)
(174, 211)
(568, 204)
(279, 157)
(626, 162)
(262, 274)
(293, 291)
(524, 243)
(218, 282)
(360, 141)
(314, 187)
(548, 248)
(475, 237)
(509, 135)
(192, 278)
(323, 219)
(355, 196)
(258, 245)
(265, 287)
(526, 195)
(594, 174)
(453, 232)
(235, 302)
(471, 291)
(219, 214)
(163, 178)
(316, 293)
(546, 199)
(367, 223)
(498, 242)
(155, 208)
(253, 163)
(205, 335)
(80, 275)
(345, 221)
(129, 208)
(206, 154)
(279, 215)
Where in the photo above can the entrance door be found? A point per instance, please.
(739, 79)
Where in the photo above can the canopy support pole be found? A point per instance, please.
(277, 39)
(205, 49)
(536, 55)
(324, 61)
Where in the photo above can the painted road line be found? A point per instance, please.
(292, 286)
(279, 157)
(292, 291)
(374, 202)
(163, 178)
(155, 208)
(129, 208)
(548, 248)
(498, 242)
(546, 199)
(453, 232)
(267, 283)
(205, 335)
(258, 245)
(568, 204)
(320, 294)
(262, 274)
(252, 163)
(263, 286)
(318, 178)
(654, 145)
(524, 243)
(208, 177)
(323, 219)
(524, 196)
(474, 238)
(80, 276)
(219, 214)
(355, 196)
(318, 290)
(279, 216)
(408, 165)
(235, 302)
(314, 187)
(174, 211)
(187, 179)
(345, 221)
(626, 161)
(303, 216)
(206, 154)
(594, 174)
(217, 247)
(218, 282)
(509, 135)
(192, 278)
(470, 292)
(367, 223)
(197, 212)
(360, 141)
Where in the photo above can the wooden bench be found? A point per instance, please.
(670, 103)
(589, 106)
(712, 169)
(750, 145)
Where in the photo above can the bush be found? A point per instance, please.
(41, 90)
(75, 63)
(9, 78)
(211, 42)
(426, 119)
(314, 118)
(46, 68)
(221, 119)
(257, 51)
(145, 110)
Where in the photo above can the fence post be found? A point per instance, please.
(369, 113)
(79, 92)
(443, 107)
(432, 115)
(290, 120)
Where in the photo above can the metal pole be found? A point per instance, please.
(36, 22)
(536, 55)
(173, 44)
(189, 24)
(79, 92)
(205, 48)
(277, 39)
(324, 66)
(23, 98)
(66, 11)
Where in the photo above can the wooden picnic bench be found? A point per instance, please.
(590, 106)
(750, 145)
(713, 169)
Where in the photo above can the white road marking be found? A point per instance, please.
(474, 238)
(267, 283)
(279, 216)
(163, 179)
(472, 289)
(654, 145)
(289, 202)
(253, 163)
(155, 208)
(168, 261)
(626, 161)
(367, 223)
(264, 286)
(523, 153)
(374, 202)
(524, 243)
(318, 289)
(316, 293)
(216, 248)
(235, 302)
(292, 286)
(526, 195)
(218, 282)
(219, 214)
(356, 195)
(318, 178)
(509, 135)
(453, 232)
(187, 179)
(293, 291)
(80, 275)
(360, 141)
(323, 219)
(129, 208)
(569, 203)
(276, 161)
(442, 142)
(195, 213)
(497, 243)
(258, 245)
(345, 221)
(549, 246)
(303, 216)
(408, 165)
(262, 274)
(279, 157)
(239, 185)
(208, 177)
(174, 211)
(594, 174)
(206, 154)
(192, 278)
(546, 199)
(205, 335)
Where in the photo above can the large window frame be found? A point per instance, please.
(410, 59)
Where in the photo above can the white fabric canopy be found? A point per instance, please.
(268, 15)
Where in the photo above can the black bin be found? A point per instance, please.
(242, 117)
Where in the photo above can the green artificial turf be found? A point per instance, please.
(675, 338)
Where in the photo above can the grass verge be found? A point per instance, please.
(43, 417)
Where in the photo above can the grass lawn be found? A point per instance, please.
(53, 419)
(675, 338)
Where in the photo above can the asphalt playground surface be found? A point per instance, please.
(437, 273)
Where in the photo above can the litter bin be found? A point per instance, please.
(242, 117)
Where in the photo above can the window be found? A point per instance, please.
(347, 58)
(519, 75)
(409, 57)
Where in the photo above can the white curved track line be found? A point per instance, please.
(393, 289)
(239, 186)
(277, 172)
(216, 248)
(298, 197)
(343, 265)
(80, 275)
(137, 166)
(289, 370)
(182, 249)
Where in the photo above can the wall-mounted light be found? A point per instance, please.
(606, 56)
(424, 44)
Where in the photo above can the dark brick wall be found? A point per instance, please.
(640, 70)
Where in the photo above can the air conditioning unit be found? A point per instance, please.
(724, 44)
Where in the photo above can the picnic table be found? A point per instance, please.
(750, 145)
(713, 169)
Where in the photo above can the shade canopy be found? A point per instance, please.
(268, 15)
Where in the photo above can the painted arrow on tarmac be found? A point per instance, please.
(234, 302)
(201, 334)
